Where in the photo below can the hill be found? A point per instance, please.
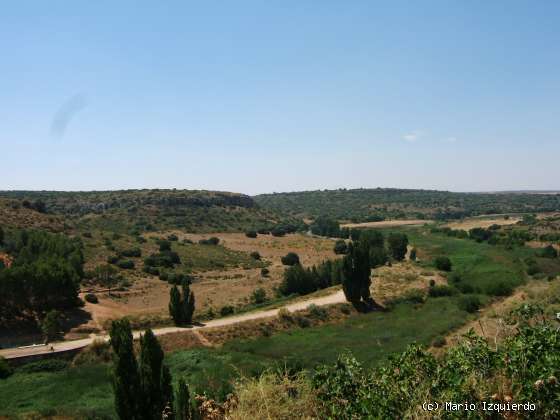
(361, 205)
(140, 210)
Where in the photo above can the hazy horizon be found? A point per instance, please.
(257, 98)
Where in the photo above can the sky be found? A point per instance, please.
(271, 96)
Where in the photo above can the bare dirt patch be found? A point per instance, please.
(484, 223)
(386, 223)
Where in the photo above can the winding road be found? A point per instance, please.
(64, 346)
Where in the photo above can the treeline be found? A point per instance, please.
(369, 250)
(361, 205)
(45, 273)
(494, 235)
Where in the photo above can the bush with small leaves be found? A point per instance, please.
(469, 303)
(258, 296)
(443, 263)
(291, 258)
(340, 247)
(265, 272)
(440, 291)
(126, 264)
(255, 255)
(91, 298)
(251, 234)
(227, 310)
(439, 341)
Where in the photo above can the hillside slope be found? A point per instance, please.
(375, 204)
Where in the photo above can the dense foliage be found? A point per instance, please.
(45, 273)
(362, 205)
(524, 369)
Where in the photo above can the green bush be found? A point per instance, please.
(210, 241)
(317, 312)
(549, 252)
(126, 264)
(441, 290)
(265, 272)
(132, 252)
(255, 255)
(499, 288)
(46, 365)
(439, 341)
(91, 298)
(340, 247)
(469, 303)
(443, 263)
(227, 310)
(251, 234)
(291, 258)
(258, 296)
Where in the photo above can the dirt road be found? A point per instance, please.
(14, 353)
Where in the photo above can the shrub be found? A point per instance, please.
(443, 263)
(439, 291)
(340, 247)
(255, 255)
(258, 296)
(439, 341)
(87, 235)
(413, 253)
(227, 310)
(91, 298)
(469, 303)
(432, 282)
(291, 258)
(549, 252)
(499, 288)
(46, 365)
(251, 234)
(126, 264)
(285, 315)
(317, 312)
(210, 241)
(164, 246)
(5, 369)
(112, 259)
(278, 231)
(302, 321)
(132, 252)
(172, 237)
(265, 272)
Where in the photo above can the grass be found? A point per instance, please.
(73, 390)
(479, 264)
(214, 257)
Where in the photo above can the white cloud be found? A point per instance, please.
(450, 140)
(412, 136)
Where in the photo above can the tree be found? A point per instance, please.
(549, 252)
(377, 257)
(164, 246)
(251, 234)
(443, 263)
(187, 303)
(175, 305)
(297, 280)
(1, 236)
(340, 247)
(356, 274)
(291, 258)
(398, 243)
(258, 296)
(126, 383)
(373, 237)
(151, 375)
(51, 325)
(183, 409)
(167, 388)
(413, 253)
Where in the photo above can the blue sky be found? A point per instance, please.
(260, 96)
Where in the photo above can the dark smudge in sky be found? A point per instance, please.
(66, 113)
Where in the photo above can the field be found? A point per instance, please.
(225, 274)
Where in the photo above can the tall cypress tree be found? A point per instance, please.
(151, 364)
(183, 410)
(126, 384)
(356, 272)
(167, 390)
(187, 304)
(175, 309)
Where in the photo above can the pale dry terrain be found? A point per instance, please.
(387, 223)
(148, 297)
(476, 222)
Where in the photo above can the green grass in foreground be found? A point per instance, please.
(371, 337)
